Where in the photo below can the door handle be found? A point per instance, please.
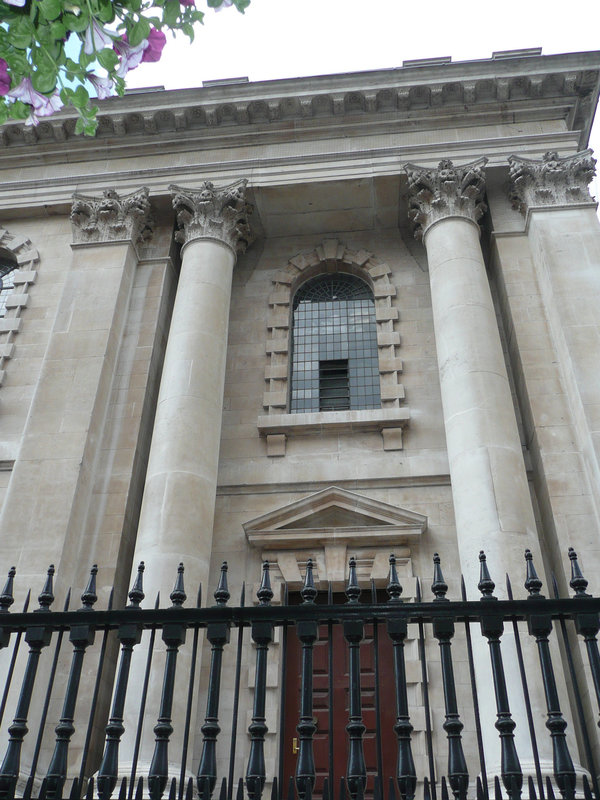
(295, 747)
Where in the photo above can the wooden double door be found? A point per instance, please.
(331, 743)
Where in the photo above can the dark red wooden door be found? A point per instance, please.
(322, 700)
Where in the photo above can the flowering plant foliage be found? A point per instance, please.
(55, 53)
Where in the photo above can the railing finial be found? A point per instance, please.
(439, 586)
(136, 595)
(46, 598)
(6, 598)
(309, 590)
(486, 585)
(221, 593)
(265, 593)
(578, 583)
(178, 595)
(353, 590)
(394, 588)
(533, 584)
(89, 596)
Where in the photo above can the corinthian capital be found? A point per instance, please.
(448, 191)
(211, 213)
(112, 217)
(551, 181)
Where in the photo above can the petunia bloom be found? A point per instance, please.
(187, 2)
(96, 38)
(41, 104)
(224, 4)
(19, 3)
(4, 77)
(130, 56)
(156, 42)
(103, 86)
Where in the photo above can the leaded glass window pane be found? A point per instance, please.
(335, 362)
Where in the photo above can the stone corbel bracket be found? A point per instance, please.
(331, 255)
(551, 182)
(112, 217)
(26, 258)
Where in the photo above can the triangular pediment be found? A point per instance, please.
(334, 514)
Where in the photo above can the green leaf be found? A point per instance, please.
(21, 33)
(90, 127)
(140, 31)
(18, 110)
(108, 59)
(188, 29)
(79, 125)
(171, 12)
(80, 97)
(44, 82)
(51, 9)
(3, 113)
(76, 23)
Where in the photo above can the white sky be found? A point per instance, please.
(293, 38)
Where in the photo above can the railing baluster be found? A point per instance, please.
(493, 628)
(356, 772)
(262, 635)
(397, 629)
(37, 637)
(13, 657)
(129, 634)
(540, 626)
(443, 631)
(81, 636)
(189, 705)
(173, 635)
(217, 634)
(426, 705)
(307, 631)
(236, 698)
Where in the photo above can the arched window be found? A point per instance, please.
(8, 264)
(335, 363)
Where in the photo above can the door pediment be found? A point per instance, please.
(334, 516)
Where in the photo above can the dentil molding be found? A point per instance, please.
(112, 217)
(553, 181)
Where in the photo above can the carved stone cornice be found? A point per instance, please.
(209, 212)
(112, 217)
(553, 181)
(448, 191)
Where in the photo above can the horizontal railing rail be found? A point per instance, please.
(361, 625)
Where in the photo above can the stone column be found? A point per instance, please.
(176, 519)
(490, 491)
(564, 235)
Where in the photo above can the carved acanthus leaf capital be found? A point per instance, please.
(551, 181)
(112, 217)
(448, 191)
(209, 212)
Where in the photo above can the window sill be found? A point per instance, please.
(388, 421)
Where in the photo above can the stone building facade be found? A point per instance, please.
(170, 390)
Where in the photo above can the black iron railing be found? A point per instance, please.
(362, 625)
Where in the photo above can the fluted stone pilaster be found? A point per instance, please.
(553, 181)
(209, 212)
(447, 191)
(112, 217)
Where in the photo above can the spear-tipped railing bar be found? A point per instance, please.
(236, 698)
(307, 631)
(527, 698)
(397, 629)
(493, 628)
(443, 631)
(356, 770)
(426, 704)
(7, 593)
(587, 625)
(475, 696)
(262, 635)
(540, 627)
(189, 703)
(218, 635)
(585, 734)
(283, 673)
(37, 637)
(81, 637)
(173, 635)
(94, 702)
(377, 694)
(330, 692)
(143, 700)
(129, 634)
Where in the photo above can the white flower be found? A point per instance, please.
(96, 38)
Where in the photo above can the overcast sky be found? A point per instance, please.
(293, 38)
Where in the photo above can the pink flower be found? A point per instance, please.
(102, 86)
(187, 2)
(156, 42)
(4, 77)
(130, 56)
(43, 106)
(96, 38)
